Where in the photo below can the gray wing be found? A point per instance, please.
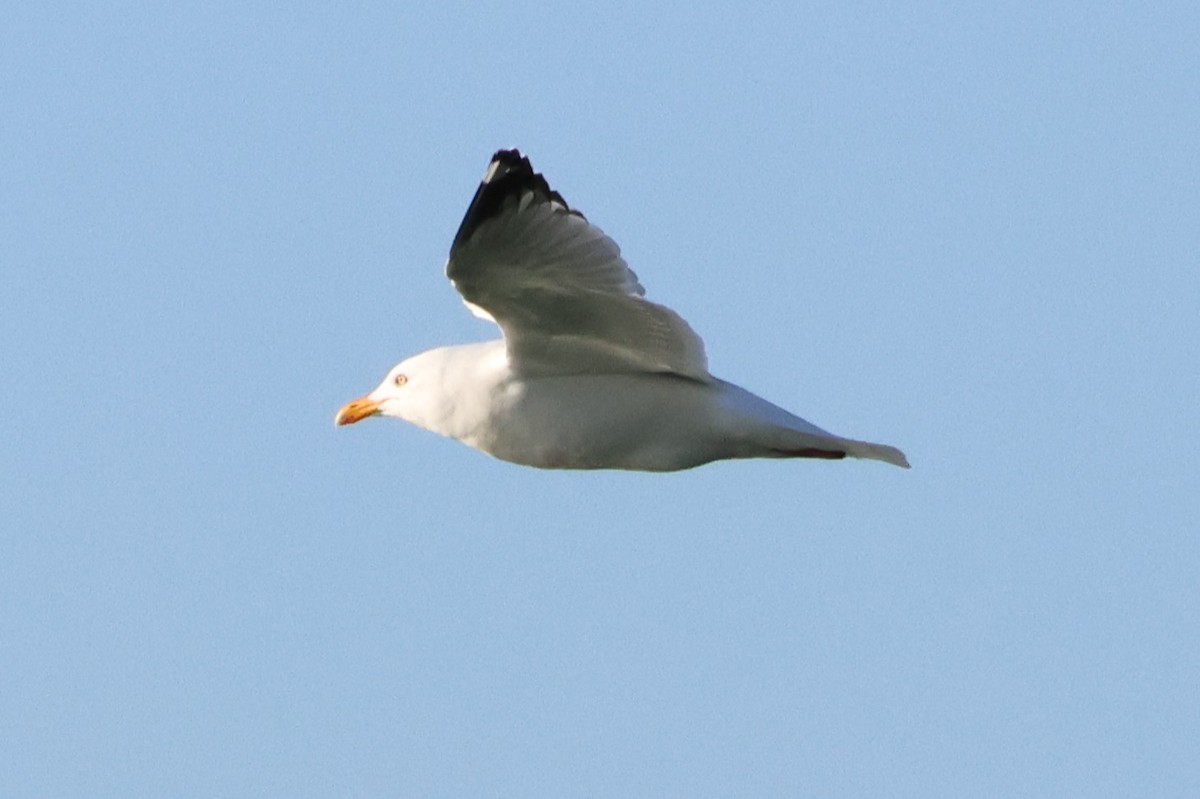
(558, 287)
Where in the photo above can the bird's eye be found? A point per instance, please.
(400, 380)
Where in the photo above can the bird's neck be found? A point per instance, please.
(460, 391)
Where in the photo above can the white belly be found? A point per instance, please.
(644, 422)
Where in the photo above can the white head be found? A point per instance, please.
(403, 394)
(446, 390)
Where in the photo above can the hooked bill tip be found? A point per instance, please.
(356, 411)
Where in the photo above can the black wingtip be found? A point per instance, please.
(506, 161)
(509, 175)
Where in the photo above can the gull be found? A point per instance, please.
(589, 374)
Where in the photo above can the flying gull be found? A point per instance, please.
(589, 374)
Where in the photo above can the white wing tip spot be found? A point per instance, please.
(492, 169)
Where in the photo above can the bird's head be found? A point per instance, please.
(441, 389)
(393, 397)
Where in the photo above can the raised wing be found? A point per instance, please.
(558, 287)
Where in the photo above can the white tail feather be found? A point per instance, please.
(876, 452)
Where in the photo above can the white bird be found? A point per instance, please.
(589, 374)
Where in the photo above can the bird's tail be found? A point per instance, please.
(876, 452)
(785, 435)
(834, 448)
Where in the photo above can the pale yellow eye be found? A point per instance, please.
(400, 380)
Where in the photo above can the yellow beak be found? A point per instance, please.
(356, 411)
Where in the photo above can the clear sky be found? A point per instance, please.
(968, 230)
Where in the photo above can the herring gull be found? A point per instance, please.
(589, 374)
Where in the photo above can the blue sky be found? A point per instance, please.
(969, 230)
